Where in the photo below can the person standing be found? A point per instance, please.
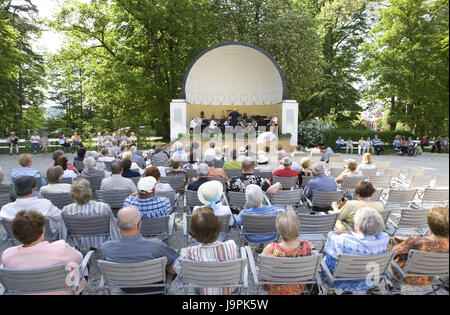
(234, 117)
(35, 142)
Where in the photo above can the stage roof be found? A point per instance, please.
(234, 73)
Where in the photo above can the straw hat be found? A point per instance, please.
(210, 191)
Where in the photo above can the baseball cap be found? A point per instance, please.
(146, 184)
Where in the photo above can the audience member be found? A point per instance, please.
(305, 164)
(116, 181)
(127, 155)
(175, 170)
(91, 170)
(350, 171)
(361, 145)
(106, 156)
(68, 173)
(136, 158)
(13, 142)
(127, 172)
(83, 205)
(286, 171)
(339, 144)
(205, 228)
(203, 174)
(59, 153)
(192, 162)
(233, 164)
(44, 143)
(320, 182)
(367, 240)
(76, 141)
(367, 162)
(147, 201)
(25, 188)
(25, 162)
(35, 141)
(159, 156)
(54, 176)
(81, 154)
(28, 228)
(214, 172)
(242, 154)
(377, 145)
(288, 227)
(436, 145)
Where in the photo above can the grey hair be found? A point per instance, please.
(209, 160)
(133, 149)
(286, 161)
(178, 146)
(89, 162)
(92, 154)
(203, 170)
(2, 175)
(369, 221)
(254, 196)
(129, 225)
(318, 169)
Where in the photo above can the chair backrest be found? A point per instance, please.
(59, 200)
(141, 274)
(4, 199)
(115, 198)
(223, 219)
(315, 158)
(352, 267)
(335, 172)
(410, 172)
(435, 195)
(80, 226)
(394, 172)
(79, 165)
(218, 163)
(155, 226)
(334, 155)
(236, 199)
(231, 173)
(263, 224)
(413, 218)
(441, 181)
(176, 182)
(264, 174)
(376, 195)
(169, 194)
(367, 173)
(325, 198)
(108, 166)
(382, 165)
(381, 181)
(286, 197)
(420, 181)
(157, 163)
(192, 199)
(213, 274)
(135, 179)
(35, 280)
(223, 180)
(349, 183)
(96, 183)
(287, 270)
(385, 214)
(317, 224)
(286, 182)
(332, 159)
(305, 181)
(421, 263)
(336, 165)
(401, 196)
(66, 180)
(191, 173)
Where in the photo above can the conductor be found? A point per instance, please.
(234, 117)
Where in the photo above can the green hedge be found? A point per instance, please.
(331, 135)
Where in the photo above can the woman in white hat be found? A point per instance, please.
(210, 194)
(242, 154)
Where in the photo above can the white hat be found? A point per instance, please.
(242, 150)
(262, 158)
(146, 184)
(210, 192)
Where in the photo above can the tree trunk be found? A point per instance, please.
(165, 126)
(392, 124)
(20, 109)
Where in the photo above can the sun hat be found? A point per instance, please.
(146, 184)
(210, 192)
(242, 150)
(262, 158)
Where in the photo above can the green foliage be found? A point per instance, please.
(332, 134)
(312, 132)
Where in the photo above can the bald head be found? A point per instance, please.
(248, 166)
(128, 220)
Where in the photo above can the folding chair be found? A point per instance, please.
(400, 198)
(176, 182)
(394, 172)
(218, 163)
(423, 264)
(66, 180)
(264, 174)
(150, 276)
(411, 222)
(191, 174)
(163, 164)
(349, 183)
(286, 198)
(441, 181)
(284, 270)
(96, 183)
(158, 227)
(367, 173)
(305, 181)
(209, 275)
(435, 196)
(337, 165)
(79, 227)
(382, 165)
(377, 195)
(59, 200)
(79, 165)
(171, 195)
(9, 237)
(333, 158)
(335, 172)
(114, 198)
(380, 181)
(236, 200)
(258, 225)
(322, 200)
(223, 219)
(315, 228)
(233, 173)
(286, 182)
(4, 199)
(384, 214)
(135, 179)
(191, 200)
(42, 280)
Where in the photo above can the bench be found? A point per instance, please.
(4, 144)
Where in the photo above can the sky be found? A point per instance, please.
(49, 41)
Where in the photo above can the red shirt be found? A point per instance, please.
(284, 172)
(69, 167)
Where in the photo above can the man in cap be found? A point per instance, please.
(149, 204)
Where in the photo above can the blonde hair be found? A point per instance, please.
(367, 158)
(127, 155)
(305, 162)
(81, 191)
(288, 225)
(25, 160)
(352, 165)
(437, 219)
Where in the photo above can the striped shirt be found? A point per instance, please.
(154, 207)
(266, 210)
(92, 208)
(215, 252)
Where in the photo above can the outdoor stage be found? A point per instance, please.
(234, 76)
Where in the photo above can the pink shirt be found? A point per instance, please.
(44, 254)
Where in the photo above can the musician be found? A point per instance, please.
(234, 117)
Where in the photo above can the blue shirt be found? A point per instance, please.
(150, 208)
(266, 210)
(322, 183)
(353, 244)
(132, 249)
(26, 171)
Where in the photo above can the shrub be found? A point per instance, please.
(312, 132)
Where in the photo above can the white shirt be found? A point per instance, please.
(368, 166)
(193, 124)
(55, 188)
(212, 124)
(275, 120)
(43, 206)
(70, 174)
(106, 159)
(35, 139)
(210, 151)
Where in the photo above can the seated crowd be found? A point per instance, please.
(359, 229)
